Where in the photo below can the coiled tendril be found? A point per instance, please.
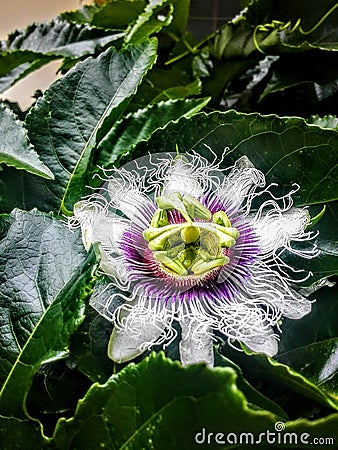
(287, 27)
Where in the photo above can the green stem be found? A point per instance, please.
(318, 24)
(191, 50)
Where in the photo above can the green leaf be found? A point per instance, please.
(261, 369)
(234, 40)
(118, 13)
(139, 126)
(160, 404)
(270, 27)
(82, 15)
(26, 50)
(71, 118)
(178, 26)
(49, 339)
(113, 14)
(296, 381)
(318, 363)
(88, 350)
(222, 74)
(318, 27)
(54, 393)
(326, 263)
(253, 396)
(169, 83)
(327, 121)
(38, 257)
(124, 13)
(16, 65)
(316, 68)
(15, 148)
(310, 345)
(156, 15)
(287, 150)
(18, 434)
(59, 38)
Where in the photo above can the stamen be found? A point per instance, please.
(201, 266)
(195, 208)
(221, 218)
(160, 218)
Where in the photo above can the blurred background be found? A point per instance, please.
(17, 14)
(206, 16)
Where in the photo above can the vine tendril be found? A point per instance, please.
(279, 26)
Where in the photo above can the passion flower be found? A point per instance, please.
(180, 239)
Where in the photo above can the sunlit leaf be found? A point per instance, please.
(15, 148)
(27, 50)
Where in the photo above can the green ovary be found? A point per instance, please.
(190, 248)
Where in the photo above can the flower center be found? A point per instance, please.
(189, 247)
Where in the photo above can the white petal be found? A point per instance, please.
(106, 231)
(295, 306)
(131, 201)
(267, 344)
(97, 226)
(249, 320)
(84, 214)
(183, 179)
(127, 342)
(114, 266)
(122, 347)
(276, 229)
(196, 344)
(243, 179)
(278, 293)
(271, 288)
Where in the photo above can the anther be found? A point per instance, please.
(173, 201)
(160, 218)
(195, 209)
(162, 241)
(174, 264)
(221, 218)
(201, 266)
